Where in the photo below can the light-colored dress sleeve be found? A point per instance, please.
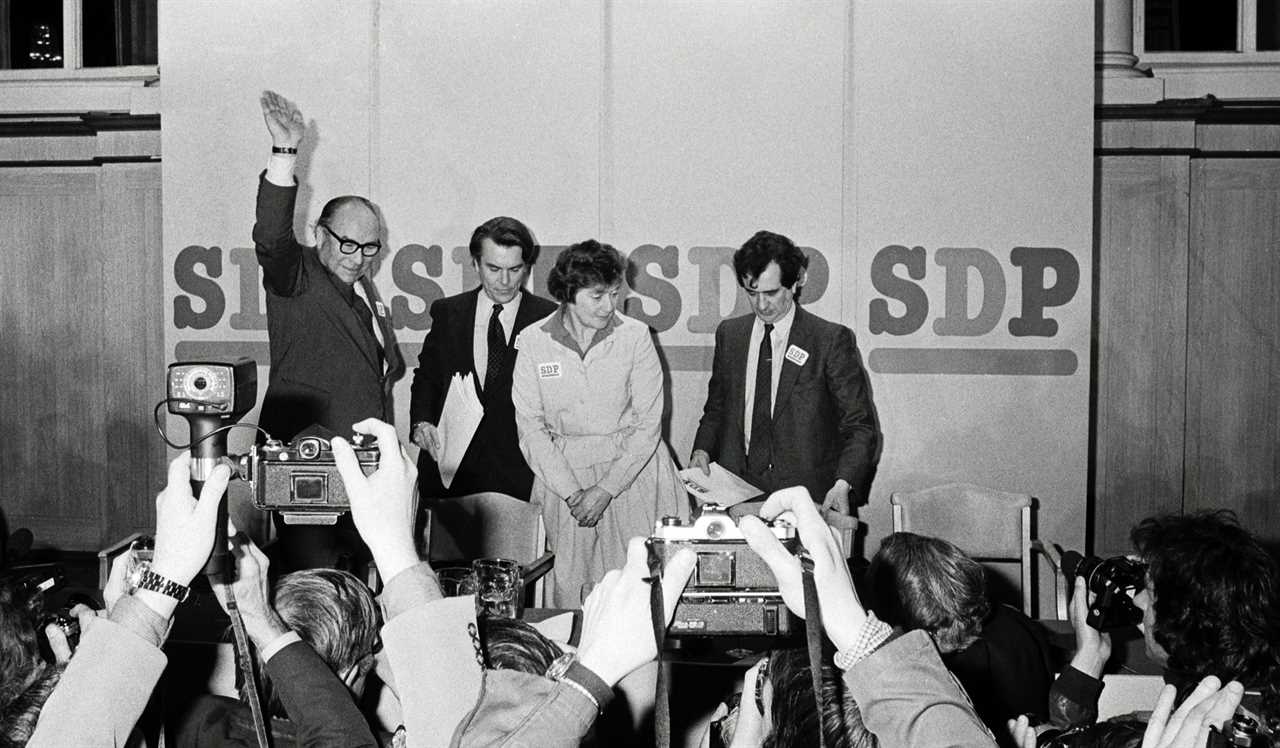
(544, 458)
(638, 446)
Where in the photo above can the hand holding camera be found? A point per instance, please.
(252, 591)
(842, 612)
(382, 503)
(617, 628)
(1093, 647)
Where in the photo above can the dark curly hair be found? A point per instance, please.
(1214, 589)
(919, 582)
(794, 711)
(506, 232)
(584, 265)
(25, 678)
(515, 645)
(766, 247)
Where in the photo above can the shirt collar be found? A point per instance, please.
(781, 328)
(555, 327)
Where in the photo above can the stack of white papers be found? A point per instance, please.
(721, 487)
(458, 423)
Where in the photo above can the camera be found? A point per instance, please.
(1113, 581)
(300, 480)
(1251, 725)
(69, 624)
(732, 591)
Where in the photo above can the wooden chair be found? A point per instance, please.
(490, 525)
(989, 525)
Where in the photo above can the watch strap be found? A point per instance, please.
(149, 580)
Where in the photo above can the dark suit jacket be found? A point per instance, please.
(322, 711)
(823, 421)
(493, 462)
(325, 367)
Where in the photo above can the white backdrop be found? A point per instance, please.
(674, 131)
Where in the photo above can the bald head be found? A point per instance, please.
(348, 222)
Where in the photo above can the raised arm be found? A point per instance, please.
(279, 252)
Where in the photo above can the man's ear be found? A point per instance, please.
(317, 235)
(802, 278)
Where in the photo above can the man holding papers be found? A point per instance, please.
(470, 336)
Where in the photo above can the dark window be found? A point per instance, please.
(32, 34)
(1269, 25)
(1189, 25)
(119, 32)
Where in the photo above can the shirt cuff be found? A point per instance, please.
(409, 589)
(277, 644)
(280, 169)
(136, 616)
(1079, 686)
(587, 682)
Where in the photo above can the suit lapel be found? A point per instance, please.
(786, 380)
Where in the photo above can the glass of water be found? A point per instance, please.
(498, 587)
(456, 581)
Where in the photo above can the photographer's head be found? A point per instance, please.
(926, 583)
(1211, 604)
(336, 614)
(25, 677)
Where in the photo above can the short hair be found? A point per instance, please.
(766, 247)
(336, 204)
(584, 265)
(515, 645)
(1215, 596)
(919, 582)
(332, 611)
(794, 711)
(506, 232)
(25, 679)
(19, 714)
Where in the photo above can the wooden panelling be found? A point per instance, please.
(1141, 342)
(81, 357)
(1233, 372)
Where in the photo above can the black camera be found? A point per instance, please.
(1113, 581)
(300, 480)
(732, 591)
(69, 624)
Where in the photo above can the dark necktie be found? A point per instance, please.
(497, 348)
(366, 318)
(760, 453)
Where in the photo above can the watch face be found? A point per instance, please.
(134, 574)
(560, 665)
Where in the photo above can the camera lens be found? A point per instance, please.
(200, 383)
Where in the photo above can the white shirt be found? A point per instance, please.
(781, 333)
(480, 333)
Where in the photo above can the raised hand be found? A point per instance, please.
(252, 591)
(284, 120)
(842, 612)
(1210, 705)
(1093, 648)
(617, 631)
(382, 504)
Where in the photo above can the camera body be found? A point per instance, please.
(69, 624)
(300, 480)
(1112, 580)
(732, 591)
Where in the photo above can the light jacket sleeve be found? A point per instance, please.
(638, 446)
(908, 697)
(521, 709)
(544, 458)
(107, 683)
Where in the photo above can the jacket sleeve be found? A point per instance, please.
(108, 682)
(908, 698)
(279, 253)
(1073, 699)
(847, 385)
(544, 457)
(713, 411)
(318, 703)
(431, 378)
(638, 446)
(521, 709)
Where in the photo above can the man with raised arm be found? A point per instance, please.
(333, 351)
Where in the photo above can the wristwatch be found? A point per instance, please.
(143, 578)
(560, 665)
(566, 669)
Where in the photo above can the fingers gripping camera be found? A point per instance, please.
(300, 480)
(732, 591)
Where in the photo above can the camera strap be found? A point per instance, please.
(245, 656)
(813, 638)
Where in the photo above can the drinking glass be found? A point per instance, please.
(456, 581)
(498, 587)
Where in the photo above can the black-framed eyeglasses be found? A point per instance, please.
(351, 246)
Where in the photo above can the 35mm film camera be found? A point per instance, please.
(298, 480)
(1113, 582)
(732, 591)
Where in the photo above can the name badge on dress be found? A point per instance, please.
(549, 371)
(379, 308)
(797, 355)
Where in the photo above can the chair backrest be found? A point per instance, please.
(987, 524)
(485, 524)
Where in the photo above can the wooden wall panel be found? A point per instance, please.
(1141, 337)
(51, 411)
(1233, 373)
